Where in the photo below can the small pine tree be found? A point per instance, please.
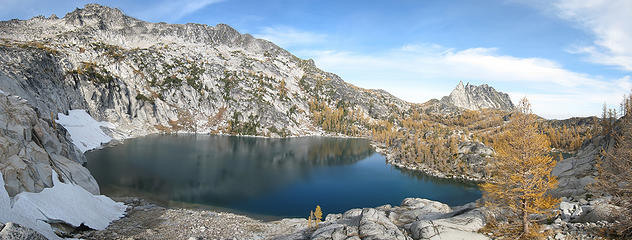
(318, 214)
(521, 175)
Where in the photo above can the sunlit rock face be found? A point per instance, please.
(478, 97)
(150, 77)
(30, 148)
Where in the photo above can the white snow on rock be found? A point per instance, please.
(85, 132)
(64, 202)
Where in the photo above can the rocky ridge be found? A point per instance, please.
(473, 97)
(155, 77)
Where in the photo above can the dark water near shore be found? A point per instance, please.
(273, 177)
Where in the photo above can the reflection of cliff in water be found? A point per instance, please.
(199, 168)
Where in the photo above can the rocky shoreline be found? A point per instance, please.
(391, 159)
(414, 219)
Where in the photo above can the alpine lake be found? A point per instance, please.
(262, 177)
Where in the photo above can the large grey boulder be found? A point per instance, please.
(374, 225)
(413, 209)
(13, 231)
(600, 212)
(367, 223)
(463, 226)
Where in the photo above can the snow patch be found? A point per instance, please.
(64, 202)
(85, 132)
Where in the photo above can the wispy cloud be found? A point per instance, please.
(609, 21)
(174, 10)
(433, 70)
(286, 36)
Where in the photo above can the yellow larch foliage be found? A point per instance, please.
(521, 175)
(318, 214)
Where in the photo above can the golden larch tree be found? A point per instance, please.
(318, 214)
(521, 175)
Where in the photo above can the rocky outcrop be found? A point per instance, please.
(41, 179)
(415, 219)
(575, 174)
(31, 148)
(478, 97)
(582, 218)
(476, 155)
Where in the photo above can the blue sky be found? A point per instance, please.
(567, 56)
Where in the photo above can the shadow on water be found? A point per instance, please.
(278, 177)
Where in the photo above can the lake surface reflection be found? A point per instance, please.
(259, 176)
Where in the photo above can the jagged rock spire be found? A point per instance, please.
(474, 97)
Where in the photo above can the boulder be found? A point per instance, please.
(374, 225)
(413, 209)
(567, 209)
(601, 212)
(463, 226)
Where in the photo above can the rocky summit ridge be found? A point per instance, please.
(155, 77)
(473, 97)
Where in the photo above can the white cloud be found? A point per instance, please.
(285, 36)
(610, 21)
(418, 73)
(174, 10)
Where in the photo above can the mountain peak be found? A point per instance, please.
(474, 97)
(93, 9)
(460, 86)
(96, 14)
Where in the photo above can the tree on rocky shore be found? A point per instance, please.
(521, 173)
(615, 171)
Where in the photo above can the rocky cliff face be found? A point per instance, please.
(152, 77)
(31, 148)
(478, 97)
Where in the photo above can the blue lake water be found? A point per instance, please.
(266, 177)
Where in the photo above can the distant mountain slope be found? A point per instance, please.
(473, 97)
(157, 77)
